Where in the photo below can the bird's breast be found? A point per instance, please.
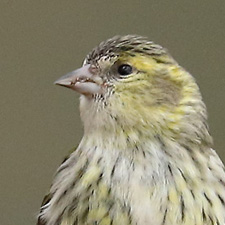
(108, 186)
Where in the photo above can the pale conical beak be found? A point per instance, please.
(82, 80)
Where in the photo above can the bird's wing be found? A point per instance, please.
(46, 199)
(48, 196)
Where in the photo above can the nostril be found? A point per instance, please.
(93, 69)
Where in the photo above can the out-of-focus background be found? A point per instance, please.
(42, 40)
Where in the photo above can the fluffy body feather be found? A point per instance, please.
(146, 156)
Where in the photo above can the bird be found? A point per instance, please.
(146, 156)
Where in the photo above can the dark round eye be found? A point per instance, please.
(125, 69)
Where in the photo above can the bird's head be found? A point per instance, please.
(131, 83)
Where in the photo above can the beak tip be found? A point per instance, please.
(69, 79)
(62, 82)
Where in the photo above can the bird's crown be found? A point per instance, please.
(129, 43)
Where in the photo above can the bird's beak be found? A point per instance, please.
(83, 80)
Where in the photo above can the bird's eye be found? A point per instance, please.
(125, 69)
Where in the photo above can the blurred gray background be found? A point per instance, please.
(42, 40)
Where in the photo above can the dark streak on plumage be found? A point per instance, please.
(182, 207)
(203, 215)
(221, 199)
(164, 216)
(99, 179)
(222, 182)
(129, 215)
(99, 160)
(211, 220)
(182, 174)
(207, 198)
(162, 143)
(114, 167)
(64, 163)
(187, 148)
(59, 219)
(85, 214)
(192, 193)
(170, 170)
